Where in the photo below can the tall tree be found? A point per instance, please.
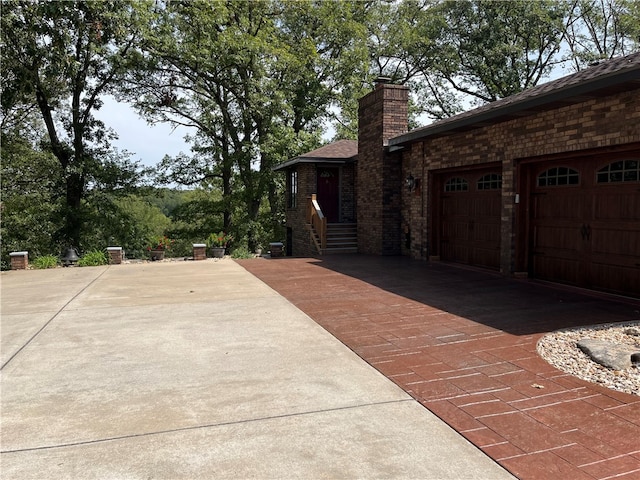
(255, 78)
(59, 58)
(477, 51)
(601, 29)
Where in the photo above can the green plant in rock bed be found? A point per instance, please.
(93, 259)
(242, 252)
(46, 261)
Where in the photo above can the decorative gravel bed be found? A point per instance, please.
(560, 350)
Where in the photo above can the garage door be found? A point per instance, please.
(469, 223)
(585, 223)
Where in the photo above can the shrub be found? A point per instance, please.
(242, 252)
(46, 261)
(93, 259)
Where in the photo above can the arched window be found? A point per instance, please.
(456, 184)
(558, 176)
(622, 171)
(490, 181)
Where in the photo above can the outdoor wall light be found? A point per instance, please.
(410, 182)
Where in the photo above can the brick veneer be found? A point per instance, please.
(601, 123)
(19, 260)
(199, 251)
(302, 246)
(115, 255)
(382, 114)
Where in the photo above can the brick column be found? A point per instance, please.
(382, 114)
(115, 255)
(199, 251)
(19, 260)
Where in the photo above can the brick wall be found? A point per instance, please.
(382, 114)
(590, 125)
(302, 245)
(296, 217)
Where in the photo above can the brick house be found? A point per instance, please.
(543, 184)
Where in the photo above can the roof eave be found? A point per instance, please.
(563, 94)
(299, 160)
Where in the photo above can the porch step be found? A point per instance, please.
(341, 238)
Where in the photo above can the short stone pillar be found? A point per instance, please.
(19, 260)
(275, 249)
(199, 251)
(115, 255)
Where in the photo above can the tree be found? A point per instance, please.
(255, 79)
(465, 52)
(58, 59)
(601, 29)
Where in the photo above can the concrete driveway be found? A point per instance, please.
(198, 370)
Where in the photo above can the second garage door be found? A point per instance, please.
(585, 222)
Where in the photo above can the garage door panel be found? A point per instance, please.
(558, 238)
(559, 206)
(558, 268)
(618, 206)
(615, 278)
(615, 242)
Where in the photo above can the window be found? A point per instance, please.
(558, 176)
(622, 171)
(456, 184)
(491, 181)
(292, 189)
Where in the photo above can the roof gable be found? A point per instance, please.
(342, 151)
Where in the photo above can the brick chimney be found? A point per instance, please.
(382, 114)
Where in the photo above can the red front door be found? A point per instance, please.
(329, 192)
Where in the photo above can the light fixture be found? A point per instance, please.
(410, 182)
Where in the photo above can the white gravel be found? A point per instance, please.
(560, 350)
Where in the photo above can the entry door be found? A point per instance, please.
(585, 222)
(329, 192)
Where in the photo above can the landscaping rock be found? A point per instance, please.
(611, 355)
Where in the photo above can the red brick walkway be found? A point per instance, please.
(463, 343)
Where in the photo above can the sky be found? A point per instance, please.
(149, 144)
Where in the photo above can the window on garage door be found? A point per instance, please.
(622, 171)
(456, 184)
(558, 176)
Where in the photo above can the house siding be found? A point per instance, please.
(599, 123)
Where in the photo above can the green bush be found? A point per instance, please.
(93, 259)
(46, 261)
(242, 252)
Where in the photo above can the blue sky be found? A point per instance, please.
(148, 143)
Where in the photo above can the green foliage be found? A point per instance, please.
(219, 239)
(93, 259)
(31, 204)
(45, 261)
(242, 252)
(159, 242)
(59, 58)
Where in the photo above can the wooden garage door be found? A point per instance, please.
(585, 223)
(470, 218)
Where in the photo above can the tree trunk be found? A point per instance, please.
(73, 221)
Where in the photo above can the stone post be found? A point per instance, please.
(276, 249)
(115, 255)
(19, 260)
(199, 251)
